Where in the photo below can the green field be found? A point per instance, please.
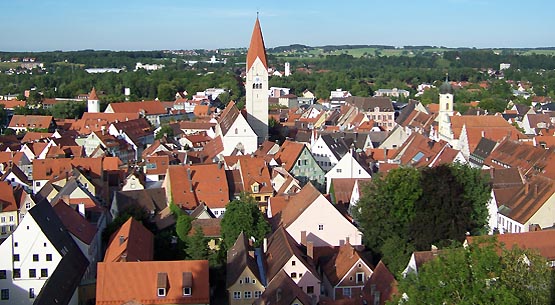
(9, 65)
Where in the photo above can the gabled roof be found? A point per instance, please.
(211, 227)
(282, 290)
(7, 199)
(288, 154)
(341, 263)
(60, 286)
(256, 48)
(92, 95)
(529, 199)
(382, 281)
(146, 107)
(281, 247)
(46, 169)
(419, 150)
(32, 136)
(484, 148)
(75, 223)
(528, 158)
(343, 188)
(135, 129)
(118, 283)
(296, 205)
(336, 145)
(228, 117)
(238, 259)
(131, 243)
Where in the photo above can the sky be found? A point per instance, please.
(45, 25)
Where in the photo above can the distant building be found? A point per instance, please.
(392, 92)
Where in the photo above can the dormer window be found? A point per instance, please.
(161, 284)
(161, 292)
(187, 283)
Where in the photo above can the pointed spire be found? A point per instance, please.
(92, 95)
(256, 48)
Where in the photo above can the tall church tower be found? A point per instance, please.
(446, 101)
(93, 104)
(257, 85)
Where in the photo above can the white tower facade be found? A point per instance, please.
(257, 85)
(93, 104)
(287, 69)
(446, 101)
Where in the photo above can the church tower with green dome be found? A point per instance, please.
(446, 101)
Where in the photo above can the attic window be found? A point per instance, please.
(161, 284)
(187, 283)
(161, 292)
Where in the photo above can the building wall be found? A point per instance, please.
(240, 132)
(307, 169)
(347, 167)
(302, 276)
(257, 99)
(324, 225)
(545, 216)
(323, 155)
(26, 241)
(241, 286)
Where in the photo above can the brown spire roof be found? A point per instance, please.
(92, 95)
(256, 48)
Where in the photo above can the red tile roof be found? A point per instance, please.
(7, 199)
(75, 223)
(92, 95)
(382, 281)
(12, 104)
(541, 241)
(256, 48)
(341, 263)
(131, 243)
(146, 107)
(288, 154)
(193, 184)
(31, 121)
(118, 283)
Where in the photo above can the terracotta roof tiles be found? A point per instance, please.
(131, 243)
(256, 48)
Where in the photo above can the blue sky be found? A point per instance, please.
(39, 25)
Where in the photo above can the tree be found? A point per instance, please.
(483, 273)
(197, 247)
(165, 131)
(420, 207)
(243, 215)
(183, 226)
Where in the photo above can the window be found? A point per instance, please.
(44, 272)
(15, 244)
(2, 274)
(44, 244)
(31, 293)
(35, 257)
(347, 292)
(320, 227)
(248, 294)
(2, 219)
(257, 294)
(27, 205)
(11, 218)
(236, 295)
(309, 289)
(338, 170)
(247, 280)
(161, 292)
(376, 298)
(16, 257)
(5, 294)
(48, 257)
(32, 273)
(186, 290)
(17, 273)
(293, 263)
(4, 229)
(293, 275)
(360, 277)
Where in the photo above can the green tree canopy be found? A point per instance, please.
(420, 207)
(482, 273)
(243, 215)
(197, 247)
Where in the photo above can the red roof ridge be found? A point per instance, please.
(92, 95)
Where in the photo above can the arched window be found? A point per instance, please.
(236, 131)
(447, 106)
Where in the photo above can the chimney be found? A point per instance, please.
(347, 240)
(189, 179)
(483, 133)
(121, 239)
(310, 249)
(535, 190)
(303, 238)
(265, 245)
(526, 188)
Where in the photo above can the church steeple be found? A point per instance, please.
(93, 104)
(256, 48)
(256, 85)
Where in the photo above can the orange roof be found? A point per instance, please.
(341, 263)
(111, 163)
(536, 240)
(529, 199)
(297, 204)
(47, 169)
(484, 122)
(92, 95)
(146, 107)
(433, 108)
(255, 170)
(32, 136)
(288, 154)
(31, 121)
(196, 183)
(118, 283)
(131, 243)
(201, 110)
(11, 104)
(382, 281)
(158, 165)
(7, 199)
(256, 48)
(210, 227)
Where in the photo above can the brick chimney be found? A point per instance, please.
(303, 238)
